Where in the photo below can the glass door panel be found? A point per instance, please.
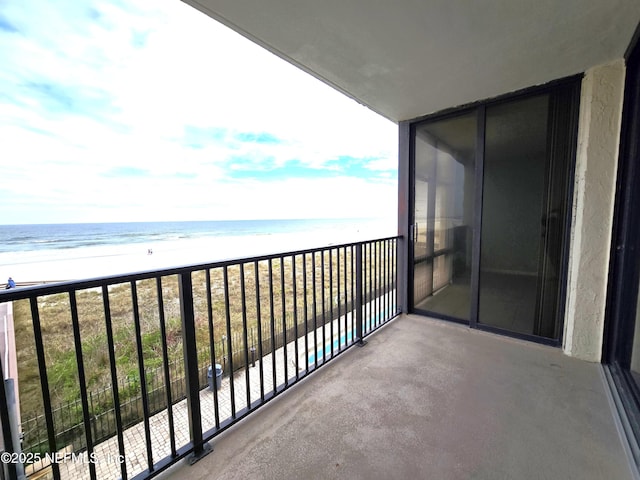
(516, 152)
(422, 278)
(443, 215)
(499, 262)
(528, 146)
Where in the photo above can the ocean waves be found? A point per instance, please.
(73, 251)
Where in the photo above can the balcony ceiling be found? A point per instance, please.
(407, 58)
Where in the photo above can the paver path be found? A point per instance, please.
(107, 452)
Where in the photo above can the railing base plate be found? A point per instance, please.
(194, 457)
(362, 343)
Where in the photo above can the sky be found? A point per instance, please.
(148, 110)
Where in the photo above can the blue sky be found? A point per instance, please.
(149, 110)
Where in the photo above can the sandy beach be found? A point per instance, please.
(98, 262)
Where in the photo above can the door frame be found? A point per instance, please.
(410, 212)
(407, 179)
(621, 316)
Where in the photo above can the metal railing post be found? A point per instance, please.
(200, 449)
(8, 427)
(359, 305)
(364, 277)
(44, 383)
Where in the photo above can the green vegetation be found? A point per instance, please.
(256, 294)
(57, 328)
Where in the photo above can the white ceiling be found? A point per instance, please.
(408, 58)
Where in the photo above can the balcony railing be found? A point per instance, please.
(123, 376)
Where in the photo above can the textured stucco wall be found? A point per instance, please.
(595, 179)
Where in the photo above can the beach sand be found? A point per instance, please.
(86, 263)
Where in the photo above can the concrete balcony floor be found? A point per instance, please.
(429, 399)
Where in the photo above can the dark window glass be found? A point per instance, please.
(489, 238)
(443, 213)
(513, 218)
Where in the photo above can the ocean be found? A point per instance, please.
(85, 250)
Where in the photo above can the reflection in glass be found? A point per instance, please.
(443, 215)
(513, 213)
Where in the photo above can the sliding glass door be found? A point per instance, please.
(622, 348)
(443, 226)
(512, 215)
(490, 213)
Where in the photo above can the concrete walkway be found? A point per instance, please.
(107, 452)
(428, 399)
(8, 342)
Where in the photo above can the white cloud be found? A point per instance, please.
(90, 87)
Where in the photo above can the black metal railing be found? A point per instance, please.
(105, 349)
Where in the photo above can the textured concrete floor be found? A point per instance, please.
(428, 399)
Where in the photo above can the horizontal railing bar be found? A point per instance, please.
(255, 405)
(306, 350)
(357, 285)
(163, 464)
(382, 325)
(66, 286)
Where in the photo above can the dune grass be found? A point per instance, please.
(57, 328)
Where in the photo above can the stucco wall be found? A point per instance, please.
(595, 179)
